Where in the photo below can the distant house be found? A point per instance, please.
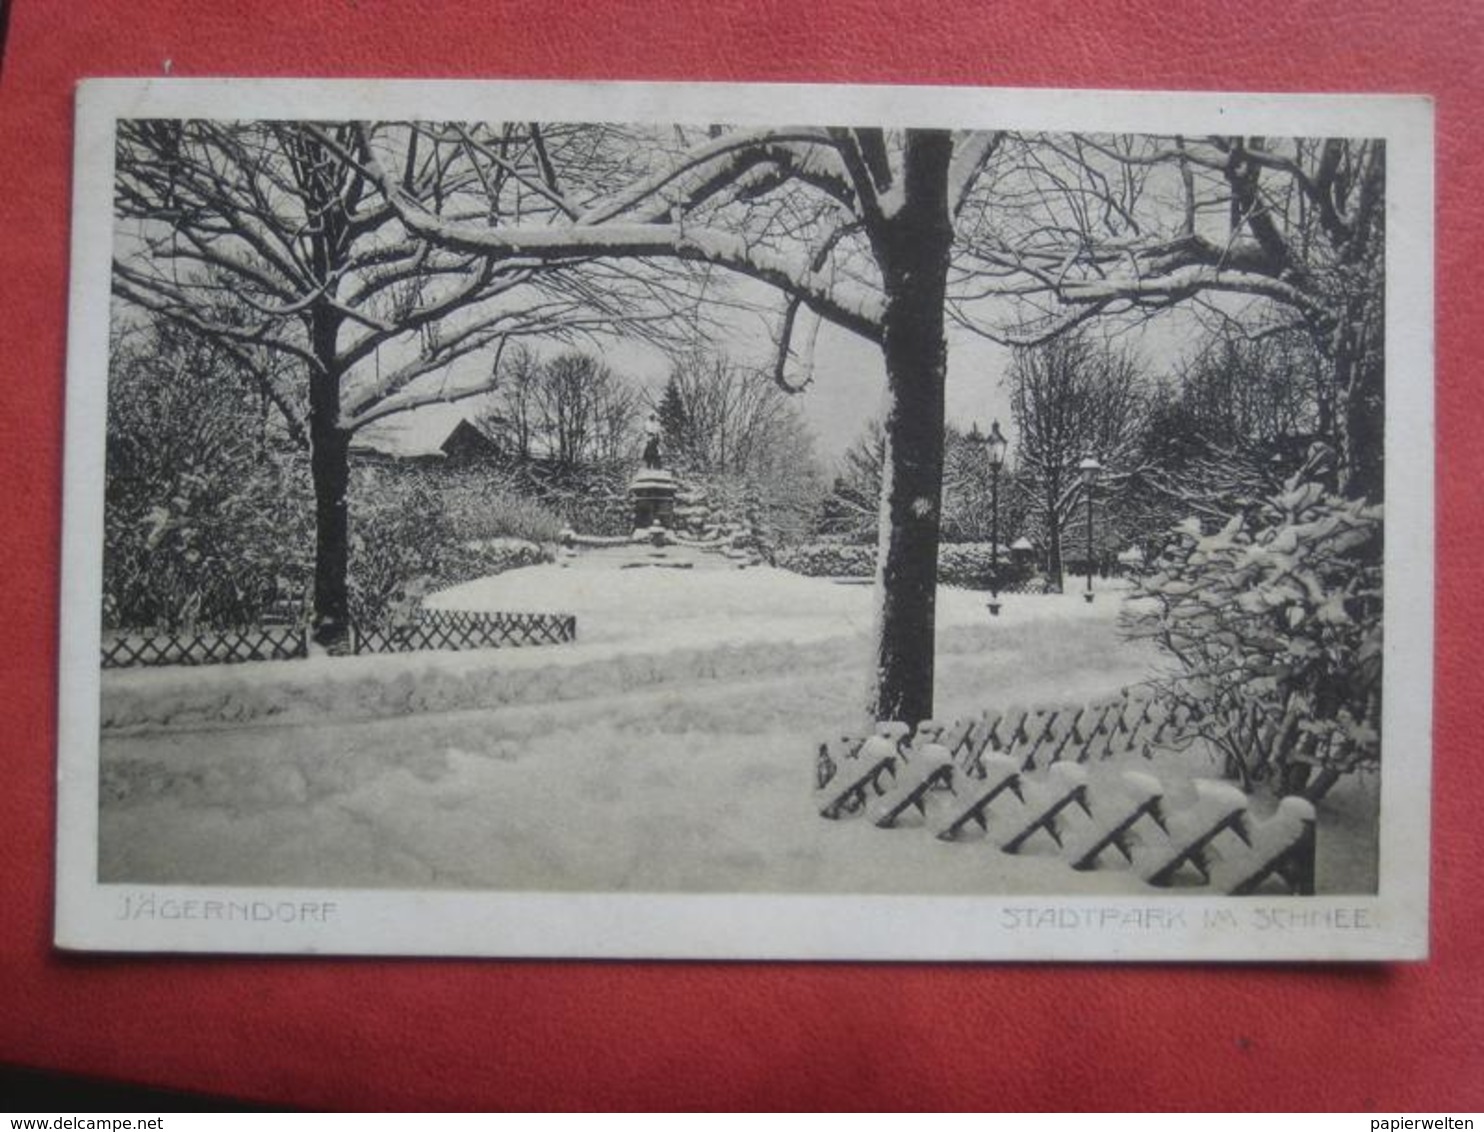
(440, 434)
(468, 443)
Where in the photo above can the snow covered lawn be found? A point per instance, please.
(671, 749)
(636, 629)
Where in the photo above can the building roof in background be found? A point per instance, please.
(418, 433)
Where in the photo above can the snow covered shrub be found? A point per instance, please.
(1274, 622)
(479, 501)
(604, 509)
(966, 564)
(829, 560)
(497, 513)
(400, 539)
(208, 513)
(591, 498)
(410, 537)
(495, 556)
(973, 566)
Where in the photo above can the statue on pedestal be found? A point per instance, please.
(653, 489)
(652, 441)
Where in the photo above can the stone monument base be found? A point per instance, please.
(653, 494)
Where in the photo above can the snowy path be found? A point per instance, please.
(656, 764)
(690, 787)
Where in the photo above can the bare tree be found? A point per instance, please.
(571, 408)
(723, 415)
(1072, 397)
(1224, 431)
(853, 509)
(1257, 234)
(616, 408)
(724, 420)
(586, 411)
(968, 493)
(1264, 392)
(850, 225)
(270, 238)
(565, 400)
(514, 418)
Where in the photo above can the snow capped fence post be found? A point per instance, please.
(1285, 846)
(1000, 774)
(1220, 807)
(1148, 798)
(931, 767)
(865, 769)
(1069, 788)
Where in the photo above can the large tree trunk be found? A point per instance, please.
(329, 464)
(330, 467)
(912, 247)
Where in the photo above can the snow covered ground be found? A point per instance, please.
(671, 749)
(637, 629)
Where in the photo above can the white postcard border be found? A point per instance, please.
(1391, 925)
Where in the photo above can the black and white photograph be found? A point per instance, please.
(648, 520)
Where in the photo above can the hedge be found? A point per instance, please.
(967, 564)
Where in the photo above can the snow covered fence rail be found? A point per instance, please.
(943, 781)
(456, 629)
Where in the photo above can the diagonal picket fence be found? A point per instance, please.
(1019, 779)
(1038, 736)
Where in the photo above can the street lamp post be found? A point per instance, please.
(994, 447)
(1089, 469)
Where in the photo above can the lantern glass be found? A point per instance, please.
(995, 446)
(1089, 469)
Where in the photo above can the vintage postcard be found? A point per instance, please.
(732, 521)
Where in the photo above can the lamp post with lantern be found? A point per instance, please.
(1089, 469)
(994, 446)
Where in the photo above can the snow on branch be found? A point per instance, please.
(709, 168)
(854, 309)
(970, 154)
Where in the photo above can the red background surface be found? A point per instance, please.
(532, 1034)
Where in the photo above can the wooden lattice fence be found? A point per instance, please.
(433, 629)
(1132, 723)
(1015, 777)
(204, 646)
(452, 629)
(1034, 586)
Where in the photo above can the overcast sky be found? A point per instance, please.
(849, 375)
